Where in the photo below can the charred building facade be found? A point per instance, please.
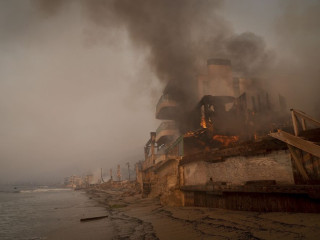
(234, 148)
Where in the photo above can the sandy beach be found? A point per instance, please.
(133, 217)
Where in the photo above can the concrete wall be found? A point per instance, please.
(164, 179)
(237, 170)
(165, 184)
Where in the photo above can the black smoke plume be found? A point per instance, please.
(180, 35)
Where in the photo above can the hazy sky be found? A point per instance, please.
(76, 96)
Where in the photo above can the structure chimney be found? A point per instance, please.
(219, 76)
(203, 88)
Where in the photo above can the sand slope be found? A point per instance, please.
(133, 217)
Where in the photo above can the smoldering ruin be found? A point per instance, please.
(216, 145)
(226, 137)
(182, 119)
(227, 134)
(226, 152)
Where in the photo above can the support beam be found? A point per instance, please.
(295, 123)
(297, 142)
(303, 122)
(298, 162)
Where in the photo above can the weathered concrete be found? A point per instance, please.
(237, 170)
(165, 184)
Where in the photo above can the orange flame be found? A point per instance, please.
(203, 123)
(226, 140)
(189, 134)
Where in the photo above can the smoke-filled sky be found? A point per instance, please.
(79, 80)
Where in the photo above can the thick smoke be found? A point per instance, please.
(69, 71)
(180, 35)
(297, 72)
(249, 54)
(49, 8)
(170, 30)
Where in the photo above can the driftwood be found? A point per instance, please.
(92, 218)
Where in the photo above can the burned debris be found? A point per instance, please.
(228, 150)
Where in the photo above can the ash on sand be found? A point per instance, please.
(133, 217)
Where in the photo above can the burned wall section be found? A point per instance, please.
(238, 170)
(255, 201)
(165, 183)
(232, 106)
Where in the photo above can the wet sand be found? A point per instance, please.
(95, 230)
(133, 217)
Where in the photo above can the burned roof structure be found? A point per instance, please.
(226, 150)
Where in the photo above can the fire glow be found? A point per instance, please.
(203, 123)
(226, 140)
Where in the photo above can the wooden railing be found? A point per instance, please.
(297, 145)
(296, 114)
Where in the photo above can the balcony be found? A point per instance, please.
(166, 132)
(149, 162)
(166, 108)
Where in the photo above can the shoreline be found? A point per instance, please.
(135, 217)
(132, 217)
(100, 229)
(117, 203)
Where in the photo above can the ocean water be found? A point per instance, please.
(34, 212)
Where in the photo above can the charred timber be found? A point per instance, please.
(291, 198)
(264, 146)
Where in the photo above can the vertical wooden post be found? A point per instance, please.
(295, 123)
(128, 169)
(298, 162)
(303, 122)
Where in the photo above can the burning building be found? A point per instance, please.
(227, 150)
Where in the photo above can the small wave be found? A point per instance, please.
(45, 190)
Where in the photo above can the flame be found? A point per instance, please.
(203, 123)
(226, 140)
(189, 134)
